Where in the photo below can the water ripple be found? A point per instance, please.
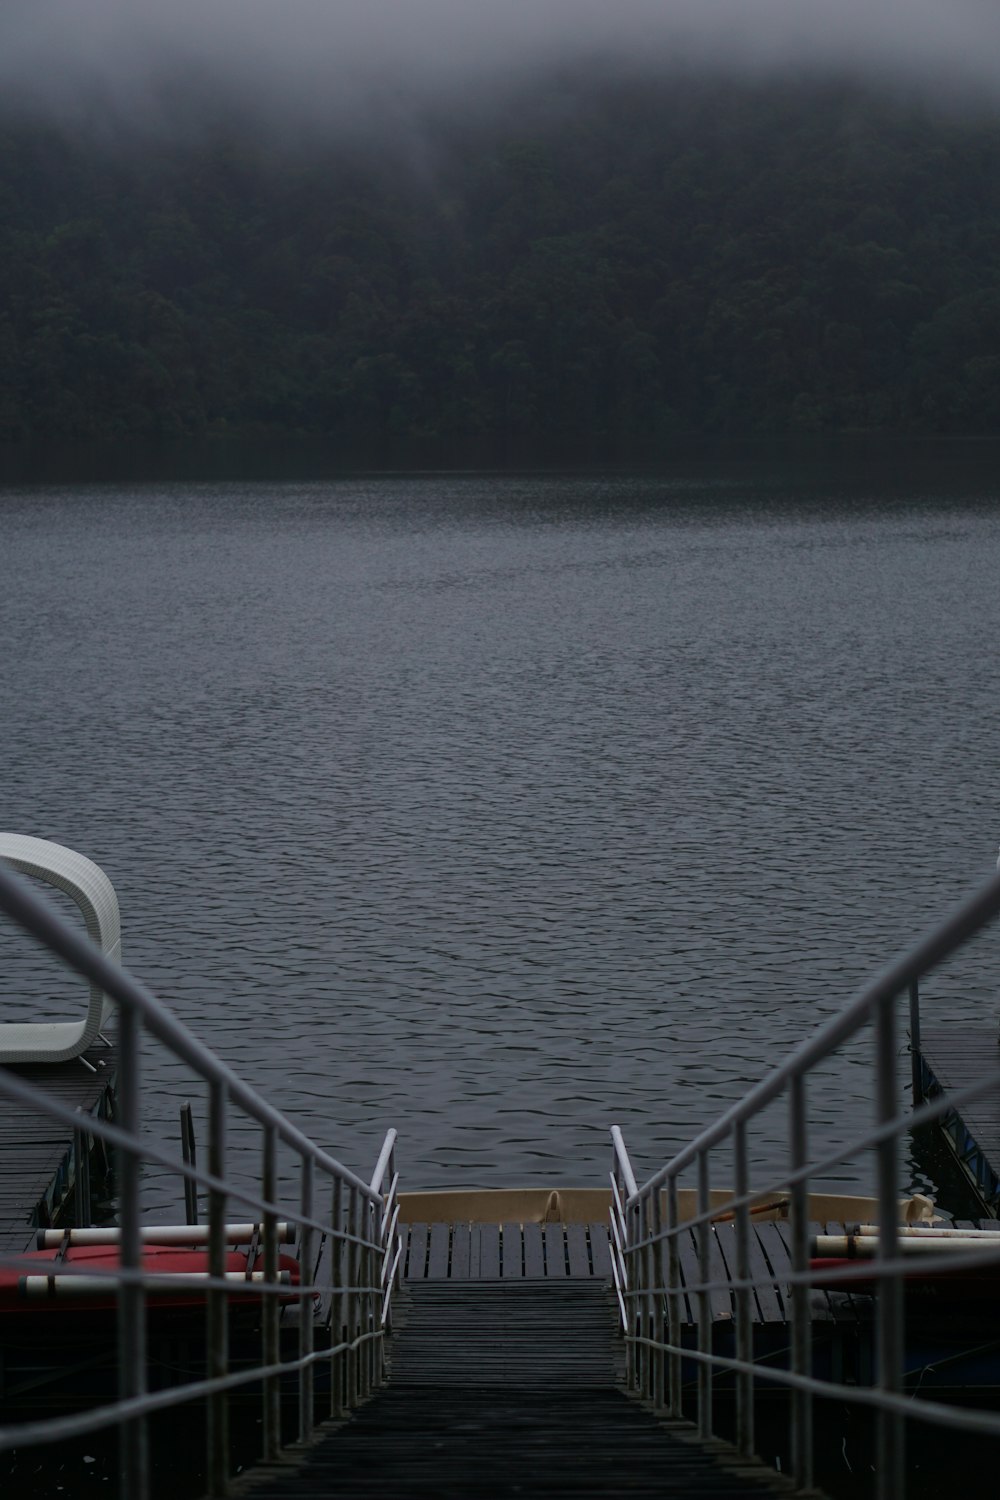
(500, 810)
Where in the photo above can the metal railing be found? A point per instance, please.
(646, 1230)
(346, 1231)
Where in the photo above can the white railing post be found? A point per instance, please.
(270, 1311)
(133, 1438)
(802, 1407)
(641, 1310)
(352, 1362)
(217, 1299)
(337, 1320)
(704, 1299)
(675, 1404)
(891, 1432)
(657, 1354)
(372, 1303)
(306, 1382)
(744, 1296)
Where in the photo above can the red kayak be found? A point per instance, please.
(977, 1285)
(53, 1287)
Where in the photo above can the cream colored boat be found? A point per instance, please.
(593, 1205)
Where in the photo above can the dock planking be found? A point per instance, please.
(533, 1252)
(580, 1252)
(37, 1163)
(501, 1387)
(952, 1058)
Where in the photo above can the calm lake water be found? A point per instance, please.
(500, 809)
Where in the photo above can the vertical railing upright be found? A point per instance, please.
(270, 1311)
(630, 1264)
(306, 1375)
(133, 1435)
(389, 1271)
(373, 1311)
(218, 1305)
(657, 1355)
(744, 1295)
(352, 1364)
(705, 1421)
(889, 1313)
(630, 1288)
(337, 1329)
(802, 1408)
(642, 1304)
(675, 1390)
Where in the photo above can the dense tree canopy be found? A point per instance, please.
(625, 261)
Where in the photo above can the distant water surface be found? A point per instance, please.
(500, 809)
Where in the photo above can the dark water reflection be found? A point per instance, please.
(499, 809)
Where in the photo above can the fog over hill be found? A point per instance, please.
(361, 61)
(444, 221)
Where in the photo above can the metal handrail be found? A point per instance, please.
(650, 1294)
(40, 919)
(114, 1135)
(925, 955)
(362, 1250)
(622, 1188)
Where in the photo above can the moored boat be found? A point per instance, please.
(82, 1278)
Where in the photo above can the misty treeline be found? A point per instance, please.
(618, 261)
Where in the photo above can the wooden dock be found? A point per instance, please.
(504, 1387)
(557, 1252)
(38, 1165)
(951, 1058)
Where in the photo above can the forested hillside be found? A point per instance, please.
(629, 260)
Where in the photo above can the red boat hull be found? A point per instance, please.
(943, 1286)
(95, 1259)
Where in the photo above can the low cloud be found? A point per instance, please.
(356, 59)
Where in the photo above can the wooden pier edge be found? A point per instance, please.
(949, 1058)
(39, 1170)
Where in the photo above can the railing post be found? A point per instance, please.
(802, 1403)
(642, 1317)
(218, 1302)
(657, 1354)
(372, 1321)
(398, 1274)
(392, 1283)
(337, 1330)
(270, 1311)
(705, 1423)
(891, 1432)
(133, 1446)
(744, 1295)
(351, 1362)
(306, 1379)
(915, 1055)
(619, 1220)
(675, 1393)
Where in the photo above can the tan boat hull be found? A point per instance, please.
(591, 1205)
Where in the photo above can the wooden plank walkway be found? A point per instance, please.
(36, 1152)
(506, 1387)
(952, 1057)
(474, 1252)
(554, 1253)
